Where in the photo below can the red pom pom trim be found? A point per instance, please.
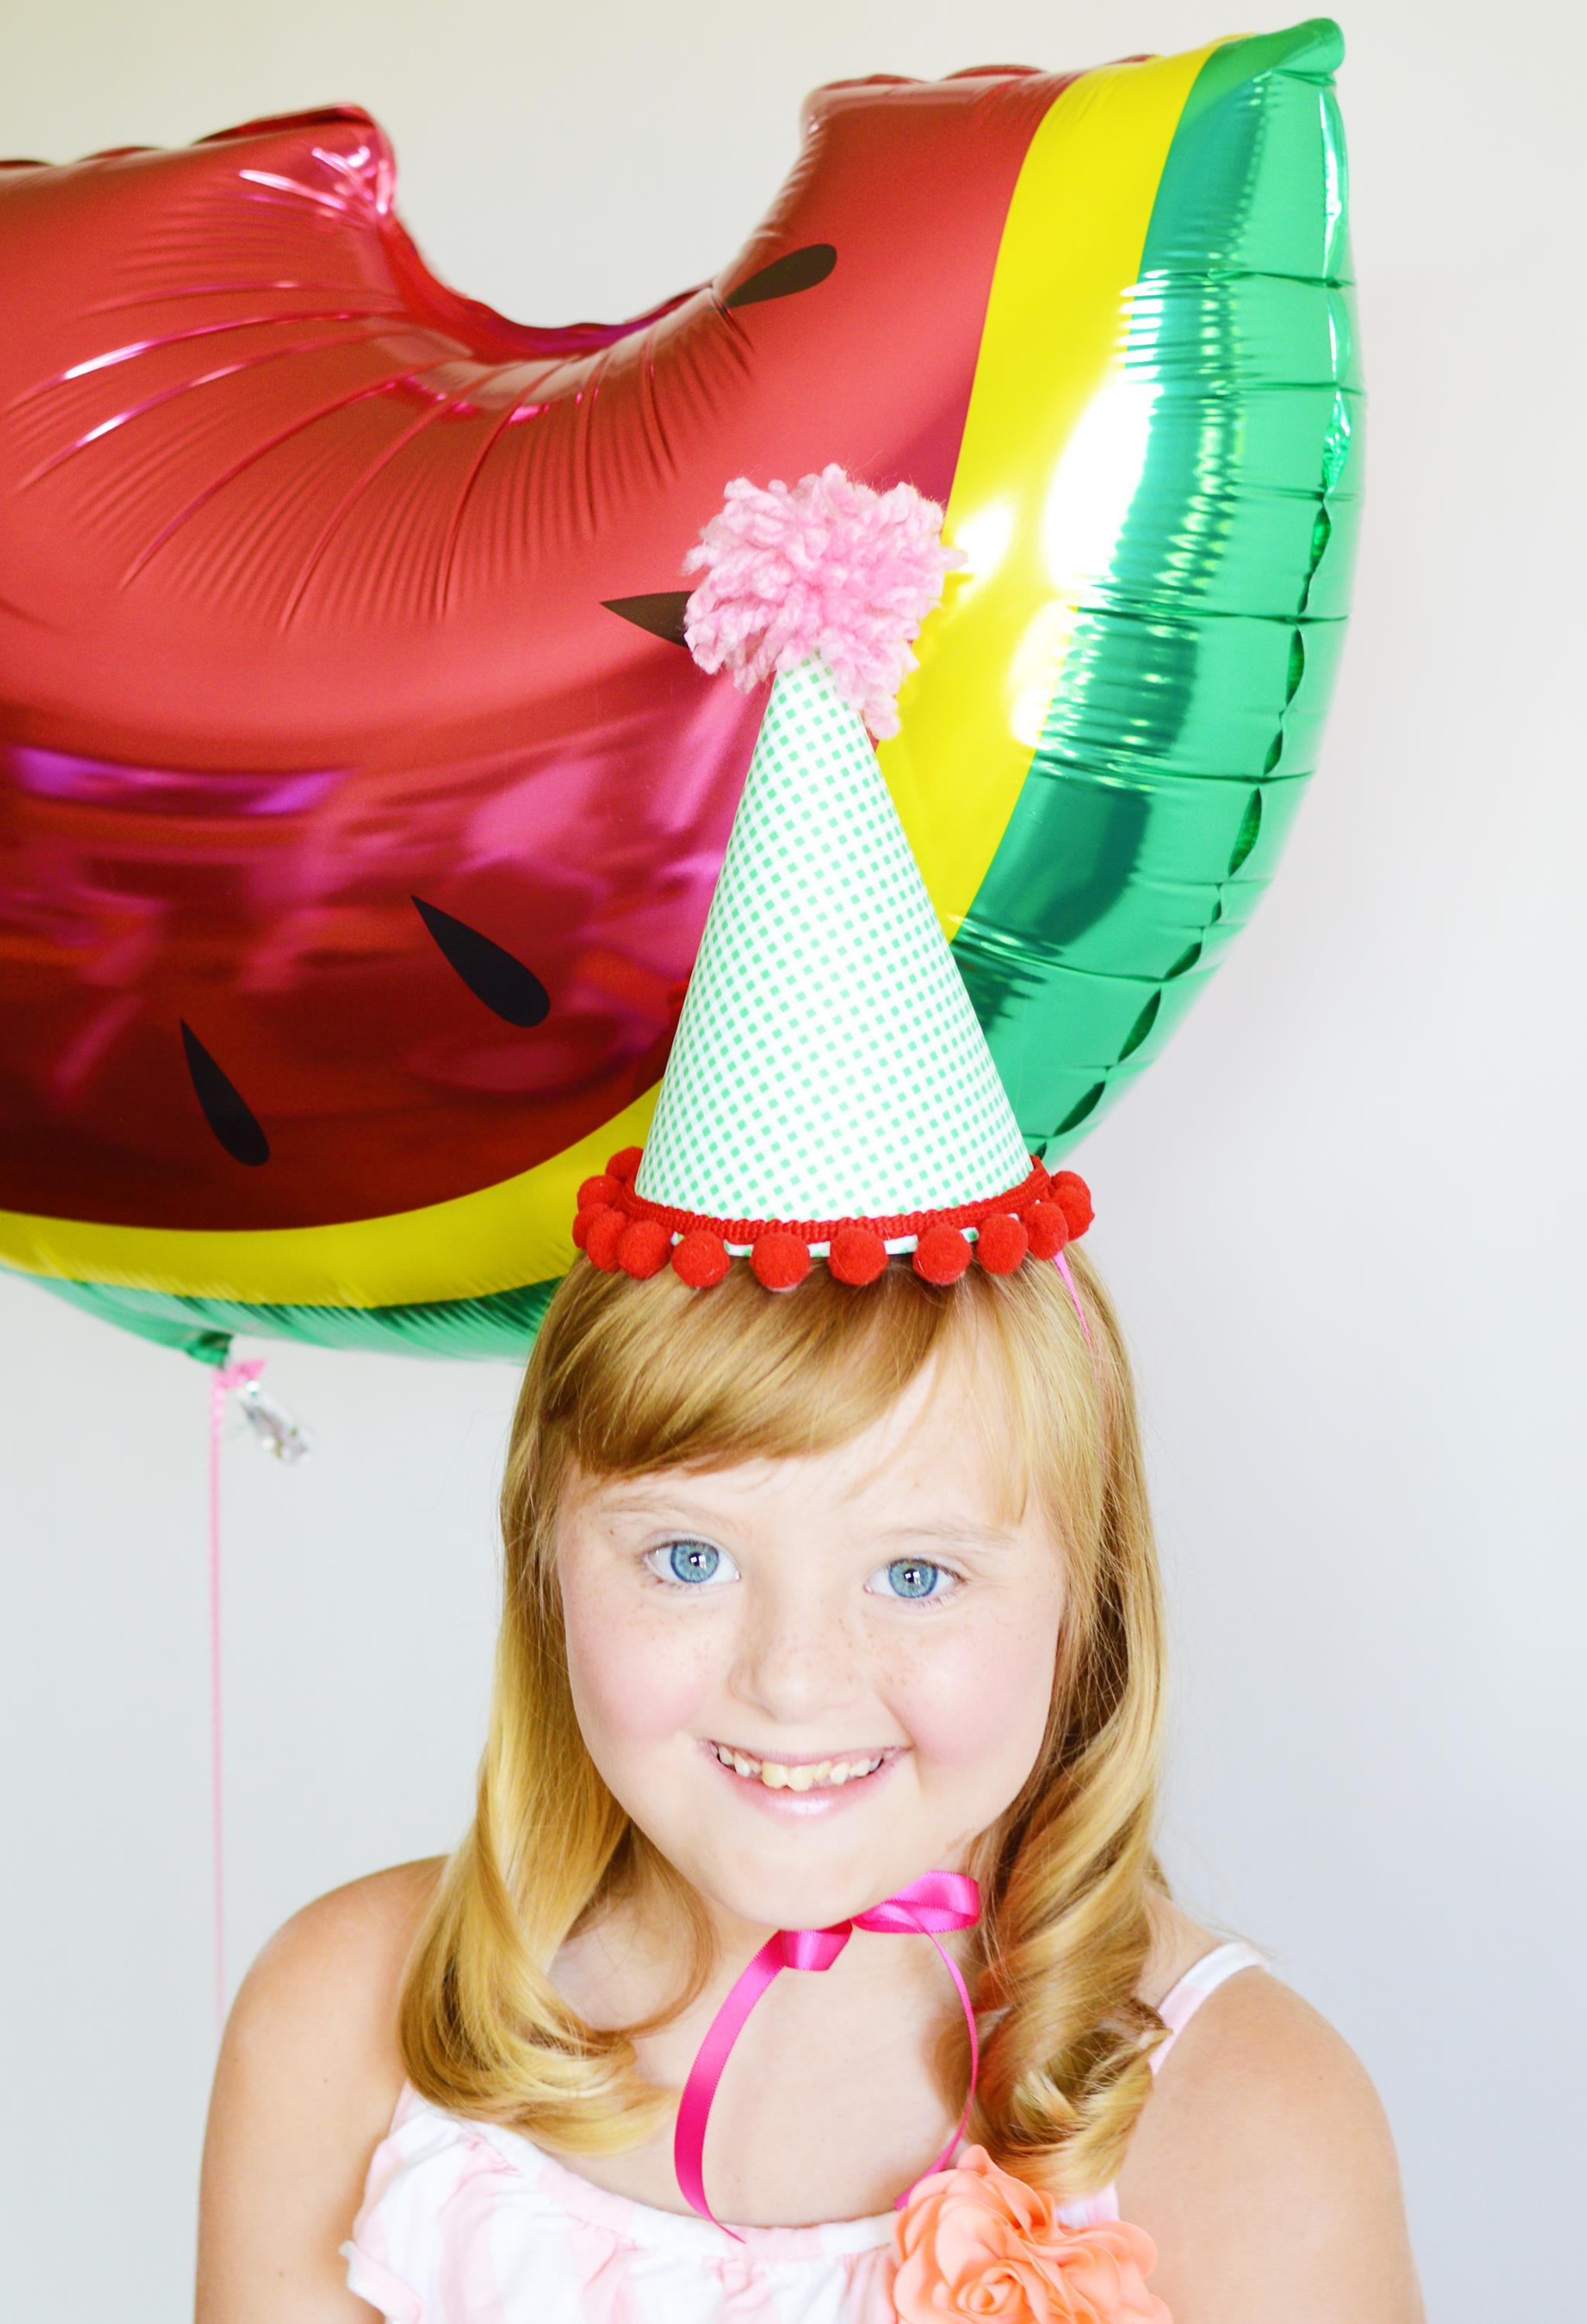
(780, 1259)
(893, 1229)
(606, 1230)
(856, 1255)
(1073, 1196)
(1000, 1243)
(700, 1259)
(644, 1250)
(1035, 1218)
(1048, 1228)
(941, 1255)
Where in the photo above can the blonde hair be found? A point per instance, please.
(627, 1377)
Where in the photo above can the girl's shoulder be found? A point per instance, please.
(309, 2075)
(341, 1960)
(324, 1992)
(1264, 2146)
(373, 1918)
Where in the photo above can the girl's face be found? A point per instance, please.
(809, 1681)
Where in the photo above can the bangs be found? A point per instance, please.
(636, 1376)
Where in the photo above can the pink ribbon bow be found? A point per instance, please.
(937, 1900)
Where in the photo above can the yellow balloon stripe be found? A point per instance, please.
(1028, 500)
(991, 661)
(505, 1235)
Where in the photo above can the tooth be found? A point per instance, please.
(774, 1777)
(746, 1766)
(820, 1773)
(799, 1779)
(840, 1772)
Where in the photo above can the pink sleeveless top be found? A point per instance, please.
(467, 2223)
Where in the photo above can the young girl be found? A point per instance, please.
(811, 1885)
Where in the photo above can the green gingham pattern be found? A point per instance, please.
(827, 1063)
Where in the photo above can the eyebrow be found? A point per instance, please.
(643, 1500)
(638, 1498)
(964, 1536)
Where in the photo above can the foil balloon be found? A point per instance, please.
(359, 808)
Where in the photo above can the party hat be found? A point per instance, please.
(829, 1093)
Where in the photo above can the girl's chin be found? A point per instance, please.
(788, 1905)
(762, 1888)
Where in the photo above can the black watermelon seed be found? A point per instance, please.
(226, 1110)
(796, 269)
(492, 973)
(661, 613)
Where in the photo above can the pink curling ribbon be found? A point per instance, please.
(1061, 1262)
(937, 1900)
(225, 1378)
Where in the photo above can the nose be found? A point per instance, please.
(799, 1662)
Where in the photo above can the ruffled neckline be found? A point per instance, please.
(631, 2222)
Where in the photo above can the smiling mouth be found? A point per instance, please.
(799, 1775)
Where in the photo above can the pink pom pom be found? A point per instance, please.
(831, 569)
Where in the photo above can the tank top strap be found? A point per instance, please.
(1179, 2005)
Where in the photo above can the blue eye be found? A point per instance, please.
(692, 1560)
(690, 1563)
(914, 1577)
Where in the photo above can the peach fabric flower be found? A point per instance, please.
(975, 2243)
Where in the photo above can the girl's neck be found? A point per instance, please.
(644, 1947)
(841, 2088)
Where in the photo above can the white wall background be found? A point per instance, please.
(1336, 1212)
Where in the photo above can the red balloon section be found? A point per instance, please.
(347, 733)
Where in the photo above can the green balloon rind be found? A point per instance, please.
(1193, 697)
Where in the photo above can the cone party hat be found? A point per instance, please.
(830, 1094)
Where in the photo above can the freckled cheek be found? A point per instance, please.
(639, 1673)
(977, 1699)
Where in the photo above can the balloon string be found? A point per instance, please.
(223, 1380)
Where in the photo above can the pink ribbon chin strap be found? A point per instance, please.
(1072, 1288)
(937, 1901)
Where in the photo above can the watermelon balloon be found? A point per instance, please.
(359, 808)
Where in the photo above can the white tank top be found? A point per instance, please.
(465, 2222)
